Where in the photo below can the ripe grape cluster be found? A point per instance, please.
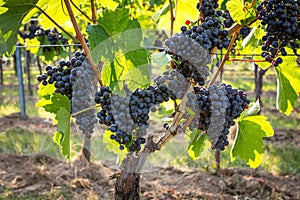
(198, 74)
(218, 107)
(74, 79)
(60, 77)
(282, 28)
(82, 93)
(128, 116)
(175, 81)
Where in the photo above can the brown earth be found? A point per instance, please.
(43, 177)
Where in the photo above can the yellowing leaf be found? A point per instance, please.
(33, 42)
(185, 10)
(113, 146)
(58, 13)
(109, 4)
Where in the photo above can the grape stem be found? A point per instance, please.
(236, 32)
(81, 39)
(75, 6)
(84, 110)
(54, 22)
(94, 18)
(245, 60)
(172, 17)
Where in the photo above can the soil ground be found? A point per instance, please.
(43, 177)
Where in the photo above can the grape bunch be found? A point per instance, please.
(74, 79)
(198, 74)
(208, 7)
(82, 90)
(127, 117)
(282, 28)
(59, 76)
(228, 21)
(175, 81)
(184, 47)
(219, 106)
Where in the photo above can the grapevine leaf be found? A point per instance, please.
(253, 109)
(2, 44)
(288, 87)
(131, 37)
(11, 20)
(160, 59)
(164, 10)
(62, 135)
(222, 4)
(33, 42)
(96, 36)
(248, 143)
(181, 14)
(58, 12)
(114, 22)
(131, 67)
(196, 144)
(124, 59)
(190, 138)
(112, 5)
(113, 146)
(53, 104)
(239, 12)
(46, 91)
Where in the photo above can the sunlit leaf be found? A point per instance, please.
(10, 21)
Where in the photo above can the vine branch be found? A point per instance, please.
(236, 32)
(172, 17)
(80, 37)
(94, 18)
(54, 22)
(88, 18)
(86, 109)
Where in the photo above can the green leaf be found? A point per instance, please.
(196, 144)
(2, 44)
(119, 47)
(114, 22)
(96, 36)
(54, 104)
(288, 87)
(113, 146)
(222, 4)
(248, 143)
(11, 20)
(62, 136)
